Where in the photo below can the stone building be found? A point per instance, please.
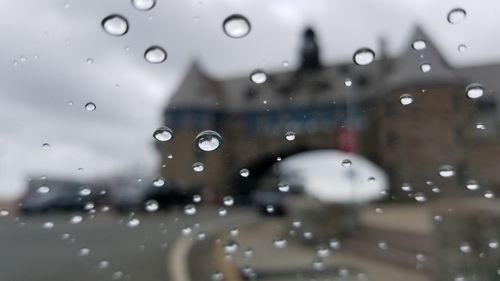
(317, 103)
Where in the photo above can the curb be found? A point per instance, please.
(177, 260)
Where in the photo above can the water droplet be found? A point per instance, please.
(493, 243)
(88, 206)
(228, 201)
(465, 247)
(89, 61)
(456, 15)
(43, 189)
(198, 167)
(383, 245)
(83, 252)
(90, 106)
(85, 191)
(280, 243)
(163, 134)
(318, 264)
(151, 205)
(222, 211)
(285, 63)
(201, 236)
(334, 244)
(323, 252)
(480, 126)
(289, 136)
(236, 26)
(155, 54)
(446, 171)
(190, 209)
(159, 182)
(419, 45)
(270, 209)
(406, 187)
(116, 275)
(231, 247)
(48, 225)
(406, 99)
(115, 25)
(489, 194)
(186, 230)
(196, 198)
(363, 56)
(4, 212)
(462, 48)
(76, 219)
(133, 222)
(217, 276)
(348, 82)
(103, 264)
(46, 145)
(425, 67)
(143, 5)
(474, 91)
(208, 140)
(283, 187)
(244, 173)
(472, 185)
(436, 189)
(420, 197)
(346, 163)
(371, 179)
(258, 76)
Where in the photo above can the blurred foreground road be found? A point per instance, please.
(116, 251)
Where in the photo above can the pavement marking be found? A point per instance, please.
(177, 260)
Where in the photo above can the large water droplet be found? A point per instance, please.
(419, 45)
(406, 99)
(228, 201)
(163, 134)
(456, 15)
(159, 182)
(406, 187)
(474, 91)
(363, 56)
(151, 206)
(289, 136)
(196, 198)
(258, 76)
(489, 194)
(155, 54)
(90, 106)
(143, 5)
(190, 209)
(115, 25)
(472, 185)
(198, 167)
(244, 173)
(208, 140)
(446, 171)
(236, 26)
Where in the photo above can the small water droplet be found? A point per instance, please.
(89, 61)
(201, 236)
(285, 63)
(419, 45)
(489, 194)
(280, 243)
(269, 209)
(323, 251)
(289, 136)
(116, 275)
(480, 126)
(228, 201)
(4, 212)
(446, 171)
(208, 140)
(346, 163)
(383, 245)
(231, 247)
(43, 189)
(462, 48)
(196, 198)
(406, 187)
(406, 99)
(334, 244)
(186, 230)
(151, 205)
(133, 222)
(425, 67)
(143, 5)
(84, 191)
(155, 55)
(115, 25)
(465, 247)
(348, 82)
(48, 225)
(198, 167)
(163, 134)
(236, 26)
(217, 276)
(90, 106)
(364, 56)
(244, 173)
(83, 252)
(474, 91)
(493, 243)
(472, 185)
(420, 197)
(222, 211)
(88, 206)
(103, 264)
(190, 209)
(76, 219)
(258, 76)
(159, 182)
(456, 15)
(283, 187)
(371, 179)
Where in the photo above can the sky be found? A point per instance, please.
(45, 77)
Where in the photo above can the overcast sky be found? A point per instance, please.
(46, 43)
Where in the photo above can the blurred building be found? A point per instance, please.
(442, 126)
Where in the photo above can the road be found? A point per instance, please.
(31, 250)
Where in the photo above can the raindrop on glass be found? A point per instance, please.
(465, 247)
(133, 222)
(46, 145)
(43, 189)
(406, 99)
(190, 209)
(143, 5)
(244, 173)
(462, 48)
(115, 25)
(151, 206)
(196, 198)
(231, 247)
(159, 182)
(489, 194)
(493, 243)
(4, 212)
(228, 201)
(334, 244)
(258, 76)
(363, 56)
(236, 26)
(472, 185)
(419, 45)
(90, 106)
(280, 243)
(198, 167)
(425, 67)
(83, 252)
(48, 225)
(289, 136)
(420, 197)
(84, 191)
(163, 134)
(348, 82)
(155, 54)
(456, 15)
(346, 163)
(446, 171)
(222, 211)
(474, 91)
(208, 140)
(283, 187)
(76, 219)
